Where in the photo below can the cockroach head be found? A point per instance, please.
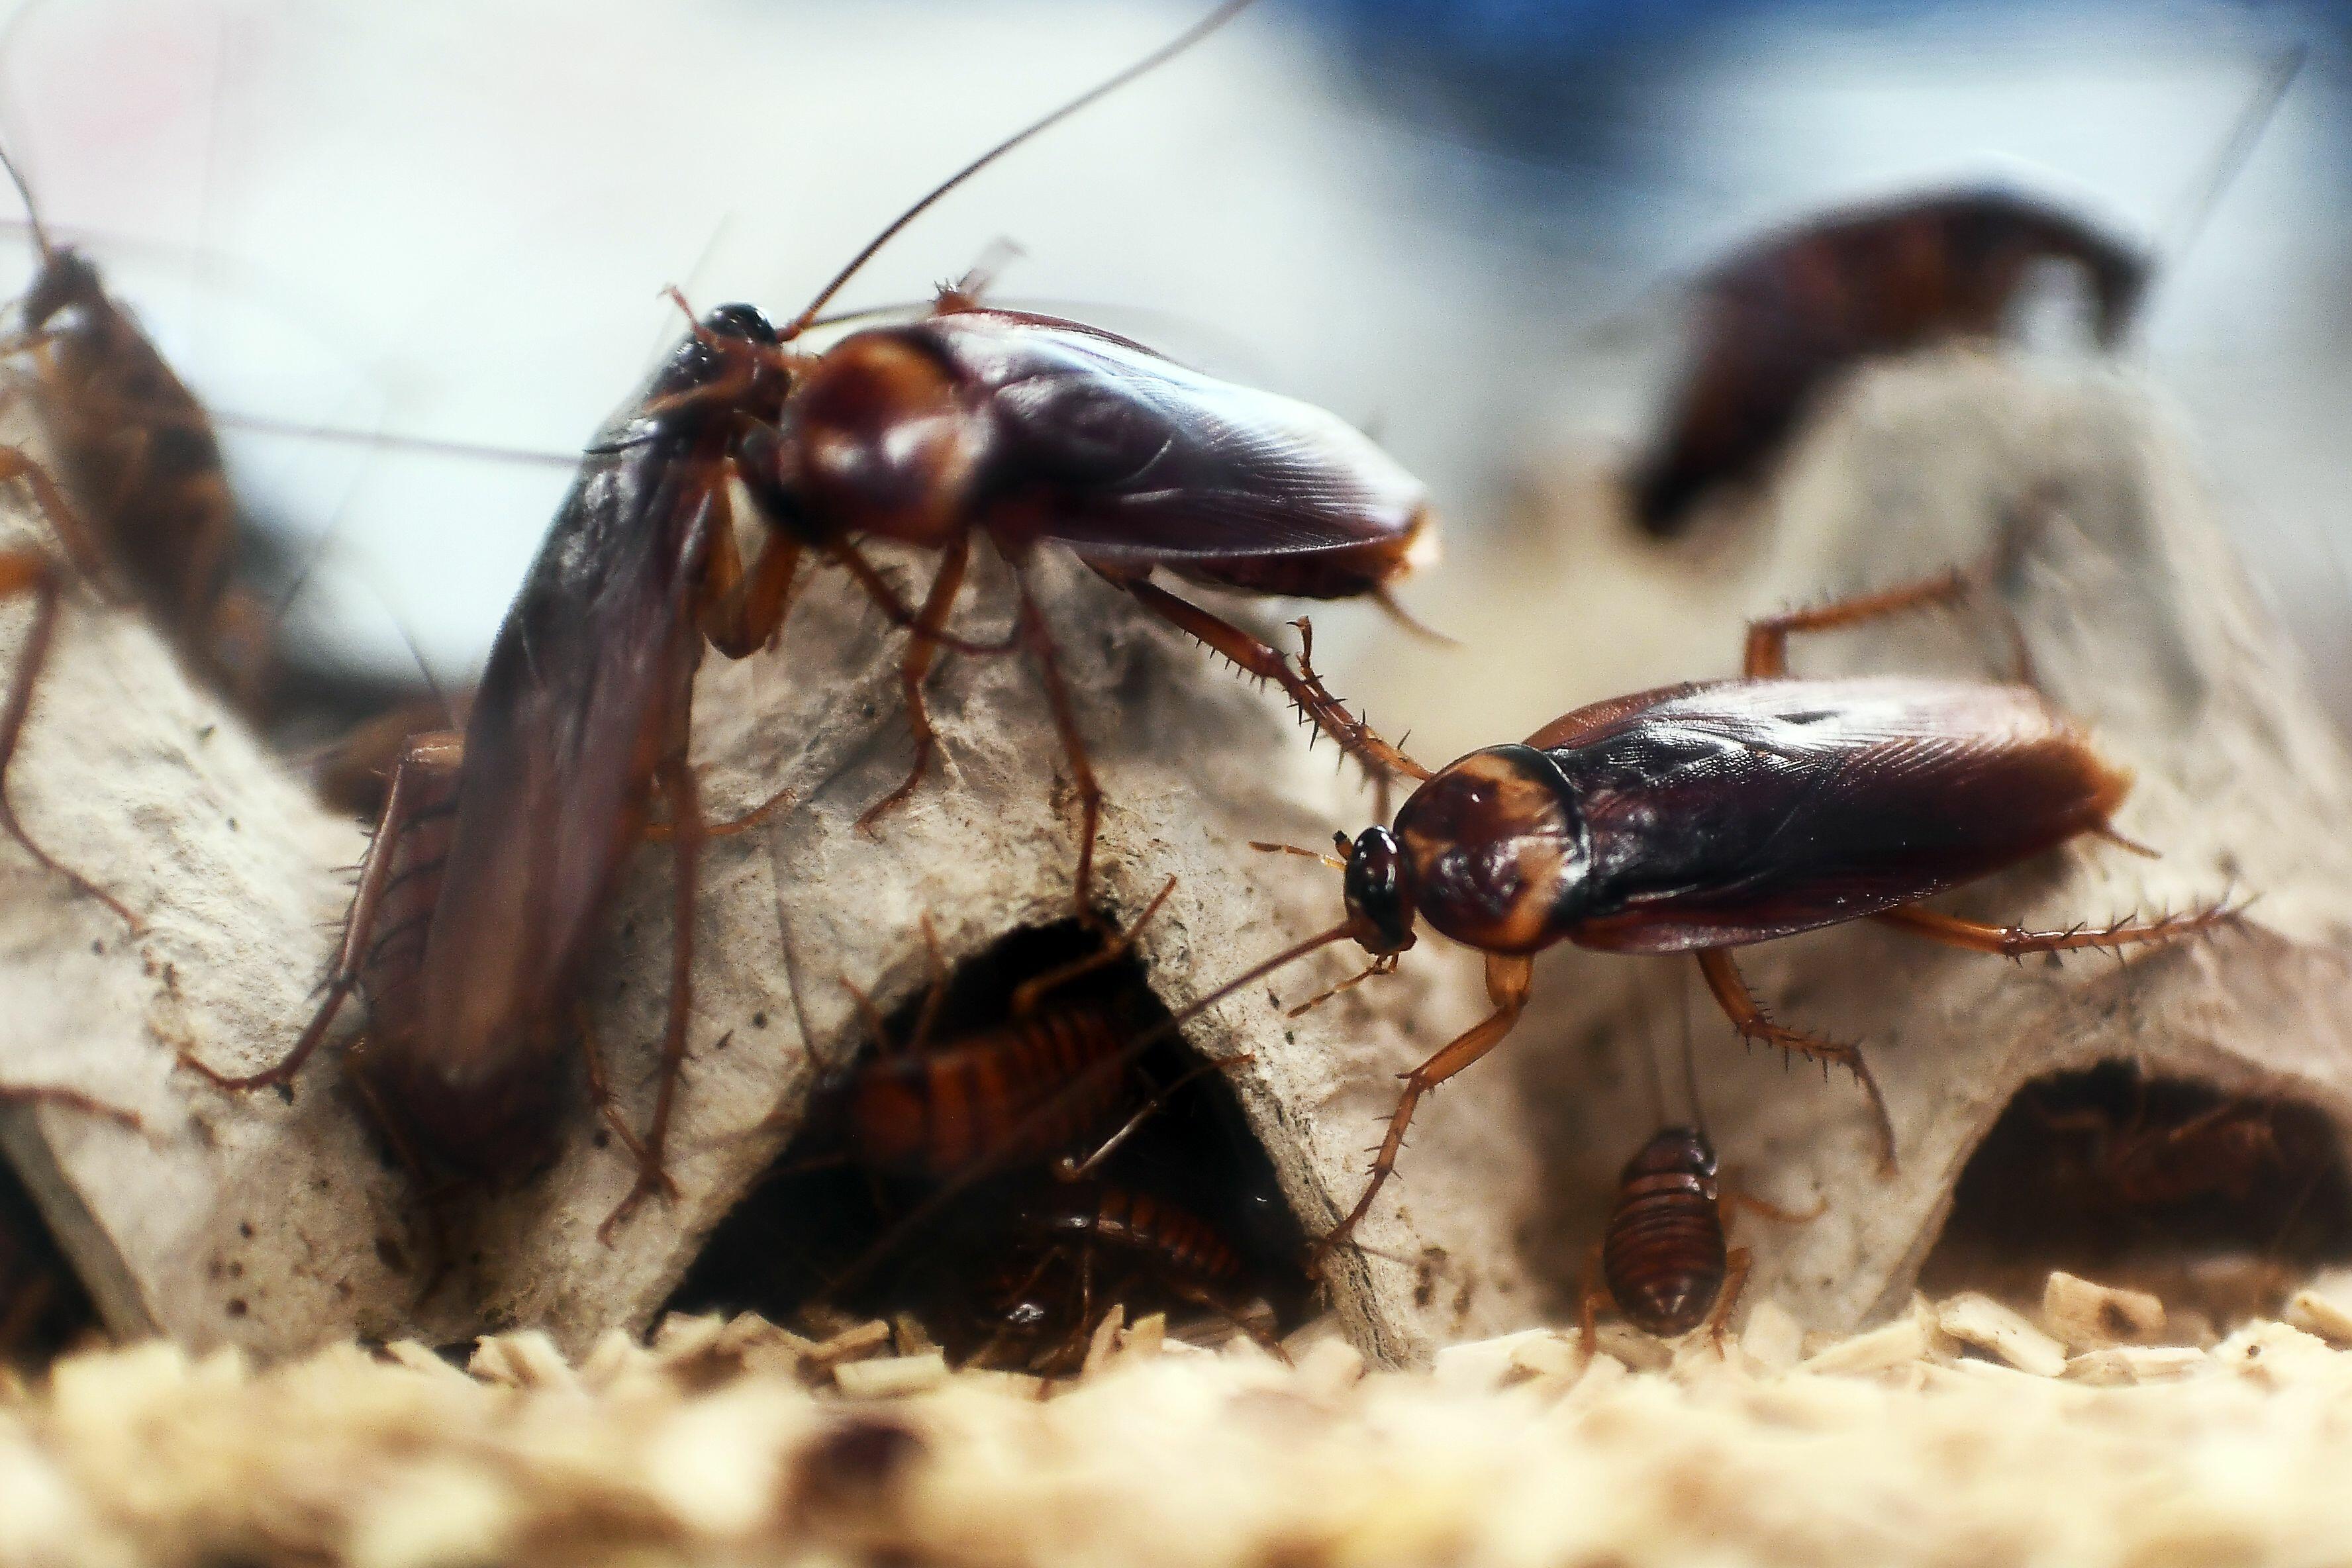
(1374, 888)
(1495, 851)
(66, 281)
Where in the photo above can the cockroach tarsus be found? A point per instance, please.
(1706, 816)
(1782, 320)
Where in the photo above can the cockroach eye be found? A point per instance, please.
(1375, 893)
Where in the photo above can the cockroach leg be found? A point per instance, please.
(600, 1088)
(1735, 1265)
(915, 664)
(22, 572)
(69, 1099)
(678, 786)
(2015, 942)
(1768, 639)
(927, 1016)
(424, 788)
(1254, 657)
(1029, 992)
(1038, 639)
(1067, 1169)
(1740, 1004)
(1589, 1301)
(1735, 1198)
(1509, 979)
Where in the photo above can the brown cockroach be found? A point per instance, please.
(1018, 1093)
(1074, 1242)
(1706, 816)
(1782, 322)
(2159, 1157)
(1664, 1258)
(495, 854)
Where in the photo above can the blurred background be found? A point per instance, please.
(1468, 226)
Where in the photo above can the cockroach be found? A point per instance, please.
(1017, 1094)
(156, 521)
(1703, 818)
(1073, 1242)
(140, 451)
(1664, 1258)
(2163, 1157)
(1782, 322)
(494, 855)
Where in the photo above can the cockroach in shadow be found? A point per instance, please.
(1069, 1246)
(44, 1309)
(495, 854)
(1002, 1163)
(2216, 1201)
(1703, 818)
(1664, 1258)
(1782, 324)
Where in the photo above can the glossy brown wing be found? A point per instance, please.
(1131, 460)
(1743, 810)
(595, 655)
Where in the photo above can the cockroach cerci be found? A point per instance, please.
(495, 854)
(1782, 321)
(1703, 818)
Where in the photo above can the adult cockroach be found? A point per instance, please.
(493, 857)
(1782, 321)
(1703, 818)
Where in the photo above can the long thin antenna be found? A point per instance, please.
(32, 211)
(1690, 1069)
(1161, 56)
(2252, 123)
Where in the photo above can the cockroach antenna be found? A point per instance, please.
(32, 209)
(2254, 122)
(1159, 56)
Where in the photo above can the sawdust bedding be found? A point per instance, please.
(1961, 1432)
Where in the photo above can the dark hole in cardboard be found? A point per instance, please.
(807, 1224)
(2214, 1202)
(44, 1310)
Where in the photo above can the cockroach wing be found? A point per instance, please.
(596, 655)
(1131, 460)
(1744, 810)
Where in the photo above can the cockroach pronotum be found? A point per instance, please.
(494, 855)
(1703, 818)
(1783, 321)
